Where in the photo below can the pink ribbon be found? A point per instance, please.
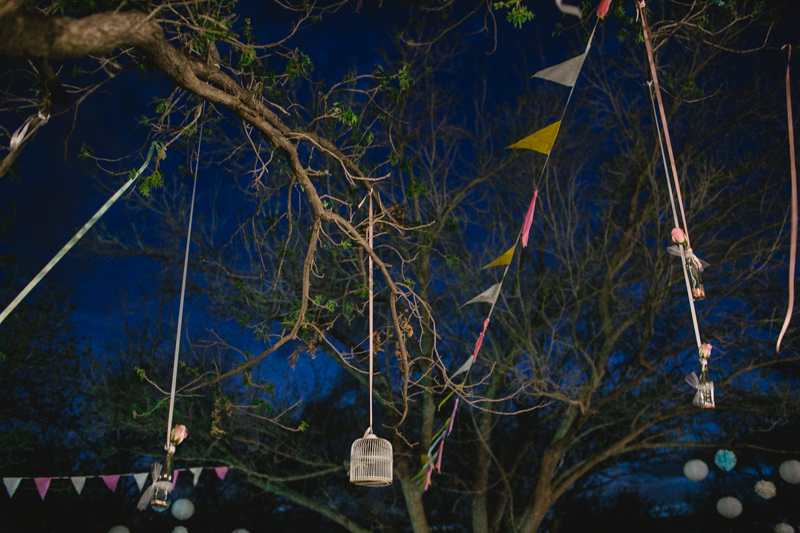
(793, 245)
(439, 459)
(526, 226)
(453, 417)
(602, 9)
(480, 340)
(428, 479)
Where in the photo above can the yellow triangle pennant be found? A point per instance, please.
(504, 259)
(541, 141)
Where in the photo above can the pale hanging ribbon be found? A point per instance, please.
(371, 314)
(793, 245)
(169, 447)
(684, 251)
(67, 247)
(22, 133)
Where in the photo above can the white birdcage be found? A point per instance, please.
(371, 461)
(371, 457)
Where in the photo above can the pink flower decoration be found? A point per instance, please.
(678, 237)
(178, 434)
(705, 350)
(602, 9)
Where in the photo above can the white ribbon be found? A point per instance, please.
(22, 132)
(699, 263)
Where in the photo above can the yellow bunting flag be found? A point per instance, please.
(504, 259)
(541, 141)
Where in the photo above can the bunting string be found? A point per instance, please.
(542, 141)
(110, 480)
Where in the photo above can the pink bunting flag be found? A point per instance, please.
(439, 459)
(428, 479)
(602, 9)
(42, 484)
(480, 340)
(453, 417)
(111, 482)
(221, 471)
(526, 226)
(174, 478)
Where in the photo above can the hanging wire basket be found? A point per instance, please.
(371, 462)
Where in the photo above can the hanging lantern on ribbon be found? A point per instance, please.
(729, 507)
(371, 457)
(704, 397)
(790, 471)
(696, 470)
(157, 494)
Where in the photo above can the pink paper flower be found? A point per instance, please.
(705, 350)
(178, 434)
(602, 9)
(766, 489)
(678, 237)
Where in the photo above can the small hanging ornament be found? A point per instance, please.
(704, 397)
(157, 494)
(371, 457)
(694, 265)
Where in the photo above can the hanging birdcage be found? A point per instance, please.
(371, 457)
(371, 461)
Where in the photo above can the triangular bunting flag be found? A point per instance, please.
(42, 484)
(78, 482)
(565, 73)
(141, 478)
(221, 471)
(480, 340)
(568, 10)
(602, 9)
(196, 471)
(111, 482)
(504, 259)
(11, 484)
(526, 225)
(463, 368)
(541, 141)
(488, 296)
(174, 478)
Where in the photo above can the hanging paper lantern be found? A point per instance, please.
(729, 507)
(119, 529)
(183, 509)
(725, 459)
(180, 529)
(371, 462)
(696, 470)
(790, 471)
(766, 489)
(783, 527)
(240, 530)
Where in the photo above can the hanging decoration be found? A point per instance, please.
(164, 481)
(725, 459)
(793, 169)
(696, 470)
(371, 457)
(692, 265)
(783, 527)
(183, 509)
(542, 141)
(729, 507)
(790, 471)
(766, 489)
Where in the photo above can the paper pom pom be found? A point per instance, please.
(766, 489)
(783, 527)
(183, 509)
(729, 507)
(790, 471)
(696, 470)
(725, 459)
(119, 529)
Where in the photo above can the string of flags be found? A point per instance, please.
(541, 141)
(43, 483)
